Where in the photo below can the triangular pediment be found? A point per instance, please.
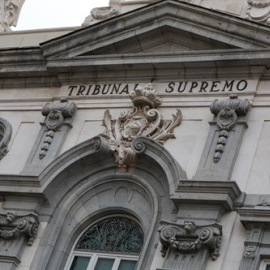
(163, 39)
(168, 26)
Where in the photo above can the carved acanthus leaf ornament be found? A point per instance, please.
(13, 226)
(189, 238)
(145, 120)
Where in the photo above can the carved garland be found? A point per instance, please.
(145, 120)
(12, 227)
(227, 113)
(55, 116)
(189, 238)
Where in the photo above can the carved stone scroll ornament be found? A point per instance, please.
(259, 11)
(189, 238)
(13, 226)
(5, 135)
(9, 13)
(227, 113)
(55, 116)
(145, 120)
(101, 13)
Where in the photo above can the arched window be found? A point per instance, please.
(111, 244)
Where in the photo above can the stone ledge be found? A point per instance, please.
(222, 193)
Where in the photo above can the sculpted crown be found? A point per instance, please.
(145, 96)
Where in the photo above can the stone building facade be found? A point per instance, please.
(139, 141)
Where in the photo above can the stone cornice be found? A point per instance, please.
(250, 216)
(222, 193)
(237, 31)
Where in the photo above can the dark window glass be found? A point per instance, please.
(127, 265)
(267, 267)
(104, 264)
(80, 263)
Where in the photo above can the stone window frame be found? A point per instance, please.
(5, 131)
(265, 264)
(99, 254)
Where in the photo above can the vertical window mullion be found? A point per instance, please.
(116, 263)
(92, 263)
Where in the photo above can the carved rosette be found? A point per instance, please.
(55, 117)
(145, 120)
(259, 11)
(189, 238)
(227, 113)
(13, 226)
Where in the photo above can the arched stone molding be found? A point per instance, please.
(100, 150)
(174, 172)
(84, 184)
(97, 197)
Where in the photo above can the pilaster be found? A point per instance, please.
(51, 137)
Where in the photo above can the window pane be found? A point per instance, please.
(127, 265)
(267, 267)
(80, 263)
(104, 264)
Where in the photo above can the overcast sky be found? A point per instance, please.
(37, 14)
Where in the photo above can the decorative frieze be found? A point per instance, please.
(145, 120)
(13, 226)
(5, 136)
(227, 113)
(55, 116)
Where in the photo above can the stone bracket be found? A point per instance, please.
(12, 227)
(186, 239)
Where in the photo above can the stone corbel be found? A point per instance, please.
(259, 11)
(15, 232)
(13, 227)
(188, 240)
(224, 139)
(59, 117)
